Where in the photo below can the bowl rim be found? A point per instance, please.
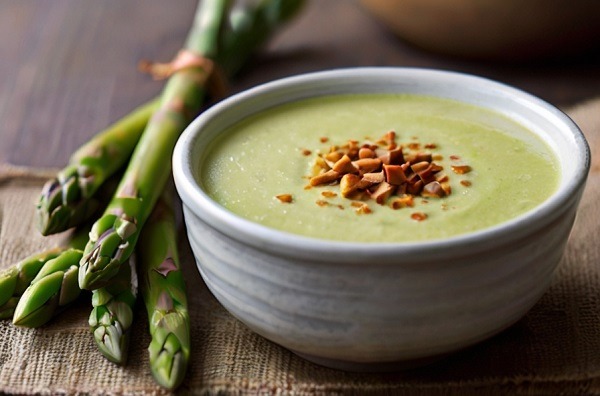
(289, 244)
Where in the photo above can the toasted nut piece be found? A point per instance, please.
(402, 201)
(382, 192)
(284, 198)
(394, 174)
(373, 177)
(446, 187)
(415, 188)
(465, 183)
(390, 137)
(419, 166)
(426, 171)
(366, 165)
(366, 152)
(363, 209)
(320, 166)
(414, 146)
(454, 157)
(323, 178)
(433, 190)
(441, 177)
(306, 152)
(333, 156)
(427, 157)
(349, 184)
(321, 202)
(430, 145)
(461, 169)
(392, 157)
(418, 216)
(435, 168)
(324, 139)
(329, 194)
(437, 157)
(344, 165)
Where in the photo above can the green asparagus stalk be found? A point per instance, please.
(14, 280)
(113, 236)
(111, 318)
(51, 290)
(163, 289)
(68, 200)
(252, 22)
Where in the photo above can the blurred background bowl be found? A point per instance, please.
(494, 29)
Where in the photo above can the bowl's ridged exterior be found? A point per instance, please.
(362, 314)
(364, 306)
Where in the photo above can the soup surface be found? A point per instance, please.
(494, 169)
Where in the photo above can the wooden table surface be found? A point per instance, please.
(68, 67)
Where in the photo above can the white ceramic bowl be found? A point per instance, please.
(362, 306)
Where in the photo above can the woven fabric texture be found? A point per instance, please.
(554, 349)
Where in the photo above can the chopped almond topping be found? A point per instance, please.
(320, 166)
(333, 156)
(392, 157)
(367, 165)
(324, 178)
(366, 152)
(363, 209)
(344, 165)
(284, 198)
(349, 184)
(324, 139)
(373, 178)
(394, 174)
(382, 192)
(446, 187)
(415, 188)
(423, 157)
(418, 216)
(402, 201)
(441, 177)
(384, 171)
(461, 169)
(306, 152)
(433, 190)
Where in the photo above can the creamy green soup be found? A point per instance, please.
(273, 154)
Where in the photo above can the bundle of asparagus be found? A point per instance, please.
(224, 35)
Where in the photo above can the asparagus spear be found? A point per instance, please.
(14, 280)
(114, 235)
(111, 318)
(52, 289)
(68, 200)
(252, 22)
(163, 289)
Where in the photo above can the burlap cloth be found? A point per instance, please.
(554, 349)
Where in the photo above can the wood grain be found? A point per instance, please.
(68, 67)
